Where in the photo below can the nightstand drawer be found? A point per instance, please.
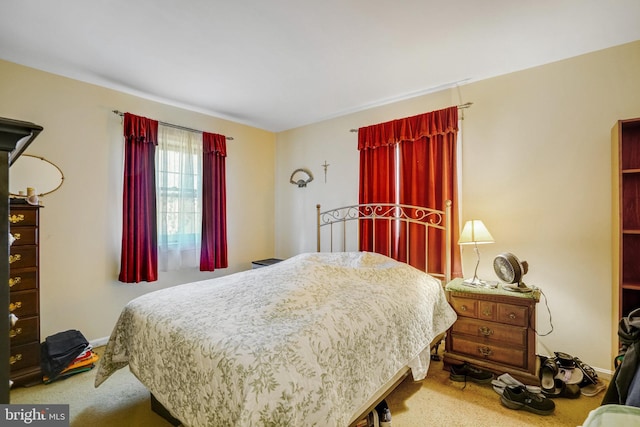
(466, 307)
(513, 314)
(491, 332)
(487, 310)
(513, 356)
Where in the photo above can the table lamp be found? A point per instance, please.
(475, 233)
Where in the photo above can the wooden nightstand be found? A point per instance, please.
(264, 262)
(494, 330)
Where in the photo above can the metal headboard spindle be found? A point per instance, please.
(392, 213)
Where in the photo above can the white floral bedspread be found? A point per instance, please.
(304, 342)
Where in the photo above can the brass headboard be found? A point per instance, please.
(392, 214)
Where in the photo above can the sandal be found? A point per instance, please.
(593, 389)
(562, 389)
(565, 360)
(570, 376)
(548, 371)
(590, 376)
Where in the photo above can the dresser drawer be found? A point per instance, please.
(22, 217)
(23, 356)
(23, 279)
(22, 256)
(507, 355)
(466, 307)
(513, 314)
(487, 310)
(23, 236)
(25, 330)
(491, 332)
(24, 303)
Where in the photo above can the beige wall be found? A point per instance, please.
(81, 223)
(536, 168)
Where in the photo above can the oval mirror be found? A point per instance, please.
(35, 172)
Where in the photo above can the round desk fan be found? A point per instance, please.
(510, 270)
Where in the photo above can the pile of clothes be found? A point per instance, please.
(624, 387)
(65, 354)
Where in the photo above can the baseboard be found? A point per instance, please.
(99, 342)
(604, 373)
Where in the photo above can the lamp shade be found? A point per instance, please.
(475, 232)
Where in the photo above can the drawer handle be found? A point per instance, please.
(14, 332)
(14, 281)
(512, 315)
(17, 236)
(485, 331)
(14, 258)
(13, 306)
(487, 312)
(463, 308)
(485, 351)
(14, 219)
(14, 359)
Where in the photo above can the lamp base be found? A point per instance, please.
(477, 283)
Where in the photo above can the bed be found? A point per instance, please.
(314, 340)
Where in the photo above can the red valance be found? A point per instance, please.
(140, 128)
(214, 143)
(408, 129)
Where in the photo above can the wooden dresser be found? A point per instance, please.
(24, 298)
(495, 330)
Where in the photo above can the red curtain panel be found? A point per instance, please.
(139, 256)
(213, 253)
(427, 177)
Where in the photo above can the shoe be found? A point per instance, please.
(384, 414)
(564, 360)
(516, 397)
(593, 389)
(570, 376)
(547, 373)
(466, 372)
(504, 380)
(562, 389)
(589, 374)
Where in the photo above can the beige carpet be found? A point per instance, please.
(123, 401)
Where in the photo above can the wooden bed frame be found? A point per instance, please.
(337, 222)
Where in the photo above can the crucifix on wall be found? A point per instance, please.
(325, 166)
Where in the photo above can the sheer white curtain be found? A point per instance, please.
(179, 195)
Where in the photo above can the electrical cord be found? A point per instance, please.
(546, 303)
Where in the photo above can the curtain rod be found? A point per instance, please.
(460, 107)
(121, 114)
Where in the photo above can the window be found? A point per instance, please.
(173, 217)
(179, 197)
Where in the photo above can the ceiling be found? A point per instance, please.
(281, 64)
